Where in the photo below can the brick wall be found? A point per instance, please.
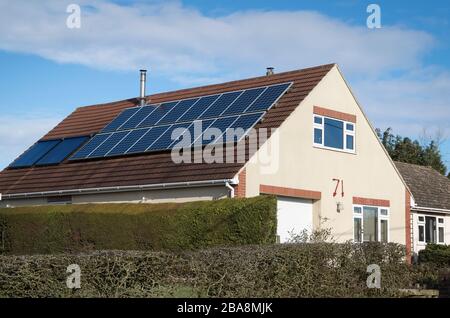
(240, 189)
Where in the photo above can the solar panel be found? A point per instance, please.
(243, 101)
(121, 119)
(242, 125)
(127, 142)
(198, 108)
(268, 98)
(166, 139)
(138, 117)
(148, 139)
(108, 144)
(197, 136)
(156, 116)
(61, 151)
(95, 142)
(176, 112)
(36, 152)
(216, 108)
(216, 129)
(150, 128)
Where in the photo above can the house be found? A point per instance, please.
(317, 152)
(430, 205)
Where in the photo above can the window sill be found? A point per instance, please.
(334, 149)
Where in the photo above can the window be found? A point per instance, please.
(357, 229)
(384, 231)
(370, 224)
(431, 229)
(334, 134)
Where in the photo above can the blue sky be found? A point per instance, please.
(400, 73)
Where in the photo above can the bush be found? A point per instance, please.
(435, 254)
(78, 228)
(288, 270)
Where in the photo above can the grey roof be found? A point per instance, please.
(429, 188)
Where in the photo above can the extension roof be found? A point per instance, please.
(149, 168)
(429, 188)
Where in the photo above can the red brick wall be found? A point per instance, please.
(334, 114)
(290, 192)
(240, 189)
(373, 202)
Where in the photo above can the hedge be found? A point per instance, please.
(435, 254)
(288, 270)
(78, 228)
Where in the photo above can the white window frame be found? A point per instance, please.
(379, 218)
(437, 229)
(421, 224)
(346, 133)
(438, 225)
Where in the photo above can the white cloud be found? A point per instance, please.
(182, 42)
(27, 130)
(408, 103)
(183, 45)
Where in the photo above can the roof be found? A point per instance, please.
(429, 188)
(149, 168)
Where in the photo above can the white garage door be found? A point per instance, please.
(293, 216)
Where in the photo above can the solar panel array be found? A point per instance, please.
(154, 127)
(48, 152)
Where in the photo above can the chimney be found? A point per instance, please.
(270, 71)
(142, 92)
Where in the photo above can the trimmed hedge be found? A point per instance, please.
(78, 228)
(288, 270)
(435, 254)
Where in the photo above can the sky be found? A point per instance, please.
(400, 73)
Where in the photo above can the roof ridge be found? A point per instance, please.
(211, 86)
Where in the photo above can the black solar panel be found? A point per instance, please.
(138, 117)
(268, 98)
(243, 102)
(121, 119)
(151, 127)
(156, 116)
(178, 111)
(222, 103)
(127, 142)
(109, 143)
(148, 139)
(198, 108)
(217, 128)
(96, 141)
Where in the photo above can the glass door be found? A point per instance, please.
(370, 224)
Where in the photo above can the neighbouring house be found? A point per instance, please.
(430, 205)
(321, 158)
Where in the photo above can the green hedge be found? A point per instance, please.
(435, 254)
(287, 270)
(76, 228)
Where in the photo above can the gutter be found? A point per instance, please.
(424, 209)
(174, 185)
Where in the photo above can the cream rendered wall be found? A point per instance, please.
(151, 196)
(369, 173)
